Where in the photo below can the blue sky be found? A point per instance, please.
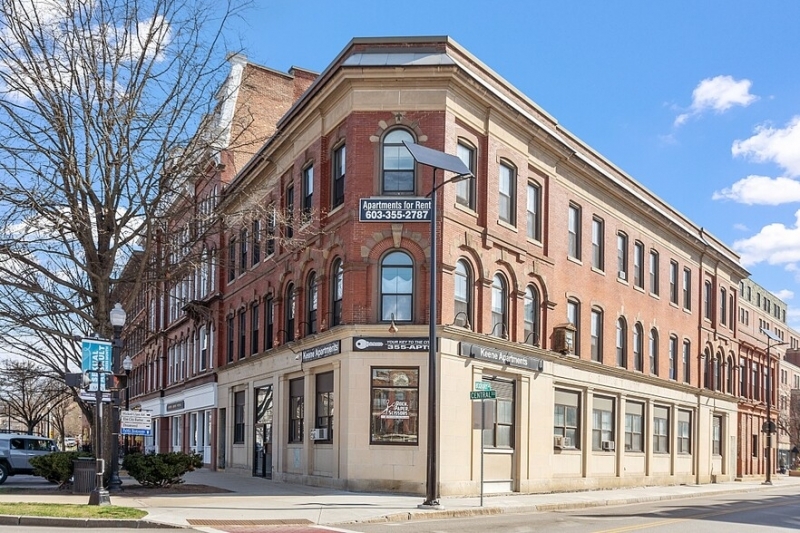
(697, 100)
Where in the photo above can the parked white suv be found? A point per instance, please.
(16, 450)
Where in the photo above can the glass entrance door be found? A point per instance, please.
(262, 436)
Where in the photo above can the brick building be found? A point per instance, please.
(590, 306)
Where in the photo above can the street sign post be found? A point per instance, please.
(136, 423)
(483, 385)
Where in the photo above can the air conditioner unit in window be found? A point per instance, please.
(607, 445)
(560, 442)
(319, 434)
(622, 275)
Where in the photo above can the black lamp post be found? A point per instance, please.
(118, 317)
(776, 341)
(127, 366)
(445, 162)
(99, 494)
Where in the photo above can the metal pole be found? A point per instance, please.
(432, 481)
(99, 495)
(769, 418)
(115, 483)
(483, 421)
(127, 406)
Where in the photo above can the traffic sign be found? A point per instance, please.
(483, 385)
(482, 395)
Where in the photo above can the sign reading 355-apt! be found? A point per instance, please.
(390, 209)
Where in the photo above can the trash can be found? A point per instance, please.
(83, 475)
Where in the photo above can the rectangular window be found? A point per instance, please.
(534, 212)
(634, 426)
(242, 334)
(289, 213)
(716, 436)
(597, 244)
(177, 433)
(566, 420)
(269, 323)
(501, 434)
(602, 423)
(505, 207)
(574, 318)
(256, 242)
(687, 289)
(238, 417)
(254, 325)
(574, 231)
(684, 432)
(638, 264)
(243, 244)
(230, 338)
(754, 446)
(660, 429)
(707, 300)
(654, 281)
(465, 193)
(339, 166)
(271, 231)
(622, 256)
(395, 406)
(308, 189)
(673, 357)
(296, 410)
(597, 335)
(232, 260)
(673, 282)
(324, 405)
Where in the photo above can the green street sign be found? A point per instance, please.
(483, 385)
(482, 395)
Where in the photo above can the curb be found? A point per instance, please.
(540, 508)
(86, 523)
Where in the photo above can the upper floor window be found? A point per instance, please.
(337, 292)
(723, 315)
(574, 231)
(254, 325)
(256, 241)
(397, 287)
(338, 174)
(597, 335)
(673, 282)
(398, 165)
(574, 318)
(653, 351)
(638, 264)
(243, 243)
(654, 272)
(290, 313)
(638, 347)
(622, 343)
(687, 289)
(465, 189)
(311, 304)
(534, 212)
(507, 183)
(271, 232)
(462, 294)
(687, 367)
(597, 244)
(531, 316)
(673, 357)
(622, 256)
(707, 300)
(289, 211)
(232, 259)
(308, 188)
(499, 307)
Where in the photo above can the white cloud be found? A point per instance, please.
(776, 145)
(775, 244)
(761, 190)
(740, 227)
(717, 94)
(784, 294)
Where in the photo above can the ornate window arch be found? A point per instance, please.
(397, 175)
(397, 287)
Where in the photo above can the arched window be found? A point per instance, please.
(653, 351)
(312, 303)
(709, 367)
(622, 343)
(729, 375)
(398, 165)
(289, 311)
(337, 291)
(531, 318)
(499, 307)
(638, 358)
(397, 287)
(673, 357)
(462, 294)
(687, 367)
(718, 372)
(574, 318)
(596, 333)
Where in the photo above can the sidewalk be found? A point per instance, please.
(260, 501)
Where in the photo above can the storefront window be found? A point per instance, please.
(395, 406)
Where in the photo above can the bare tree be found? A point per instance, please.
(28, 394)
(100, 105)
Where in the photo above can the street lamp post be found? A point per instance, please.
(127, 366)
(776, 341)
(445, 162)
(99, 495)
(117, 316)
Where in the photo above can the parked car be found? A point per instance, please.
(16, 450)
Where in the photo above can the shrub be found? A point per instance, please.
(56, 467)
(161, 469)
